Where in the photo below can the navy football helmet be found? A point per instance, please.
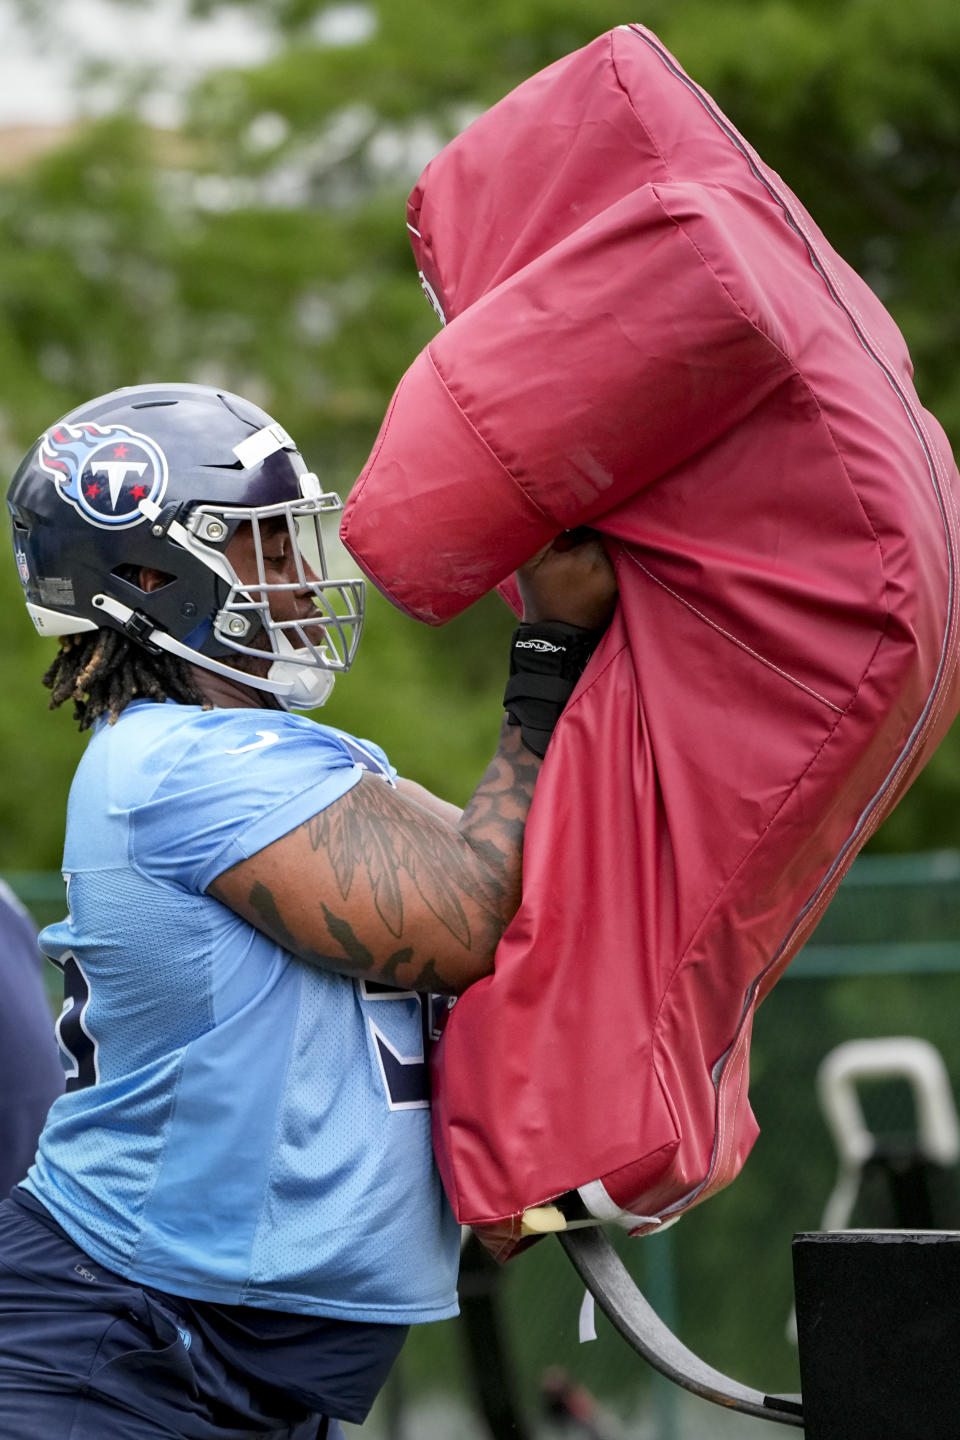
(162, 476)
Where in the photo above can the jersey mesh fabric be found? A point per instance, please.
(360, 1111)
(230, 1136)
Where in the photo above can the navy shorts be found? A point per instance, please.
(87, 1355)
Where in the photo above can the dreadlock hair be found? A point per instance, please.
(101, 671)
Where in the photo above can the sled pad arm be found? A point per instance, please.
(607, 1278)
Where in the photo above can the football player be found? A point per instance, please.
(31, 1076)
(234, 1216)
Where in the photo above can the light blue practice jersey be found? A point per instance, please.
(239, 1126)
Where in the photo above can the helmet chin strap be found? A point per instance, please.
(307, 688)
(294, 686)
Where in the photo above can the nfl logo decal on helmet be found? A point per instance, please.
(104, 471)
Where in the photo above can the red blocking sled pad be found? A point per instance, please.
(646, 333)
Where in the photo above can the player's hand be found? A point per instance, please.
(571, 580)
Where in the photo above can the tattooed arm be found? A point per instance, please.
(379, 884)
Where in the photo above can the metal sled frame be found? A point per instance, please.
(615, 1291)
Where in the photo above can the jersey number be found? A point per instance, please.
(406, 1078)
(78, 1045)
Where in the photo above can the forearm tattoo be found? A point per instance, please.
(495, 819)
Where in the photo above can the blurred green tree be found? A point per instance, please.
(262, 246)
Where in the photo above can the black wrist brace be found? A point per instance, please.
(546, 661)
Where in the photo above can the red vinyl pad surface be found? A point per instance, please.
(647, 333)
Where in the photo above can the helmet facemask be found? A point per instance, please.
(311, 623)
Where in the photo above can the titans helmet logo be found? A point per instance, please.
(104, 471)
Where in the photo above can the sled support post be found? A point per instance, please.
(613, 1287)
(878, 1329)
